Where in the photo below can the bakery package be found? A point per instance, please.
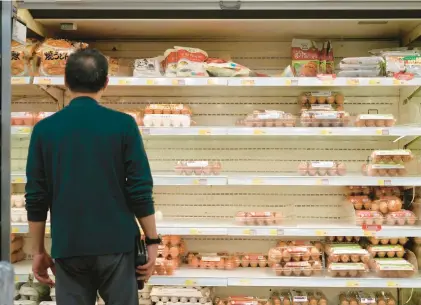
(190, 62)
(21, 57)
(148, 67)
(305, 57)
(221, 68)
(54, 54)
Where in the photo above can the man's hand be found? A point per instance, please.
(147, 270)
(40, 265)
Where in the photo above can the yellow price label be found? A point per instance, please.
(204, 132)
(380, 182)
(245, 282)
(48, 230)
(322, 182)
(178, 82)
(150, 82)
(15, 230)
(190, 283)
(18, 80)
(352, 284)
(211, 82)
(247, 82)
(16, 278)
(392, 284)
(258, 132)
(248, 232)
(44, 81)
(327, 82)
(368, 233)
(24, 130)
(257, 181)
(273, 232)
(398, 82)
(124, 82)
(194, 231)
(18, 180)
(374, 82)
(288, 82)
(325, 132)
(353, 82)
(320, 233)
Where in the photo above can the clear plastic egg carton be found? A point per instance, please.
(382, 251)
(358, 190)
(19, 215)
(303, 268)
(364, 217)
(383, 170)
(312, 118)
(198, 168)
(221, 261)
(393, 267)
(252, 260)
(346, 253)
(386, 204)
(351, 270)
(375, 120)
(385, 298)
(22, 119)
(168, 109)
(321, 98)
(234, 300)
(357, 298)
(360, 202)
(266, 218)
(341, 239)
(17, 200)
(269, 118)
(192, 295)
(321, 168)
(165, 266)
(395, 156)
(293, 253)
(400, 218)
(167, 120)
(388, 240)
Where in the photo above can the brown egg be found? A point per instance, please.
(303, 168)
(312, 99)
(403, 240)
(381, 254)
(296, 272)
(340, 238)
(390, 253)
(391, 302)
(287, 272)
(383, 207)
(400, 254)
(375, 206)
(245, 261)
(384, 241)
(401, 221)
(353, 273)
(174, 251)
(411, 219)
(381, 302)
(394, 241)
(287, 301)
(355, 258)
(321, 99)
(374, 240)
(296, 257)
(194, 262)
(345, 258)
(330, 99)
(370, 123)
(343, 273)
(341, 169)
(286, 256)
(332, 171)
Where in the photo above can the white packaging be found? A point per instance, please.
(190, 62)
(147, 67)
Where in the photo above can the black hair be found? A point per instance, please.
(86, 71)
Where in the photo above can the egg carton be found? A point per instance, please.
(388, 240)
(347, 270)
(347, 253)
(382, 251)
(19, 215)
(187, 292)
(375, 120)
(167, 120)
(17, 200)
(175, 299)
(182, 303)
(266, 218)
(341, 239)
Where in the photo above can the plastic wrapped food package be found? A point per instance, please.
(265, 218)
(347, 269)
(269, 118)
(346, 253)
(389, 251)
(384, 170)
(392, 267)
(198, 168)
(321, 100)
(360, 202)
(147, 67)
(250, 260)
(190, 62)
(375, 120)
(312, 118)
(222, 68)
(170, 63)
(400, 218)
(405, 61)
(360, 73)
(388, 240)
(54, 54)
(211, 261)
(363, 217)
(386, 204)
(396, 156)
(322, 168)
(363, 61)
(19, 62)
(305, 56)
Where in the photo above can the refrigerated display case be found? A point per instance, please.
(250, 155)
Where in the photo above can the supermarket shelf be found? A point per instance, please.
(253, 277)
(254, 179)
(229, 228)
(245, 81)
(380, 132)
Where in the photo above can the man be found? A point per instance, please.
(87, 165)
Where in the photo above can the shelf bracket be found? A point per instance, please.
(56, 93)
(411, 36)
(35, 26)
(230, 5)
(415, 92)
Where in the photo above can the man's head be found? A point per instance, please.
(86, 73)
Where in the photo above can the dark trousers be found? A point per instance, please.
(78, 279)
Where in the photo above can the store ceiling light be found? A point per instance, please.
(373, 22)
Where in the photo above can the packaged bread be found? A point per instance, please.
(54, 54)
(21, 57)
(305, 57)
(148, 67)
(190, 62)
(113, 66)
(170, 63)
(375, 120)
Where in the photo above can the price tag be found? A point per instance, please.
(48, 230)
(193, 231)
(201, 181)
(18, 80)
(249, 232)
(374, 82)
(322, 182)
(382, 132)
(24, 130)
(325, 132)
(327, 82)
(44, 81)
(150, 82)
(353, 82)
(17, 279)
(276, 232)
(190, 283)
(211, 82)
(257, 181)
(124, 82)
(398, 82)
(18, 180)
(245, 282)
(392, 284)
(352, 284)
(204, 132)
(258, 132)
(369, 233)
(15, 230)
(320, 233)
(247, 82)
(178, 82)
(384, 182)
(291, 82)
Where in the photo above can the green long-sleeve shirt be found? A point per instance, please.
(87, 165)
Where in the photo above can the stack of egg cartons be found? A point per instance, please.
(144, 297)
(169, 295)
(372, 66)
